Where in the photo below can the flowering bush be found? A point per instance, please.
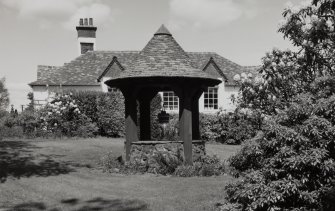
(63, 117)
(292, 166)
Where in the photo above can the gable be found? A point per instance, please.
(112, 70)
(214, 70)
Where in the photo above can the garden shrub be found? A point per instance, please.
(155, 108)
(249, 157)
(164, 160)
(11, 132)
(62, 117)
(110, 113)
(296, 169)
(292, 166)
(9, 127)
(29, 121)
(106, 110)
(230, 128)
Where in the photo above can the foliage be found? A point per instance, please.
(9, 126)
(155, 108)
(110, 113)
(248, 157)
(205, 166)
(29, 122)
(63, 117)
(106, 110)
(230, 128)
(284, 74)
(164, 160)
(292, 167)
(4, 95)
(30, 97)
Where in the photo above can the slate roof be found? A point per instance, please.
(161, 56)
(85, 69)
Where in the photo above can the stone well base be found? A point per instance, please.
(198, 147)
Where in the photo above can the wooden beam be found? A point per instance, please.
(145, 119)
(186, 125)
(145, 97)
(131, 123)
(195, 115)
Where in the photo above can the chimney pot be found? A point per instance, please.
(85, 22)
(81, 22)
(91, 21)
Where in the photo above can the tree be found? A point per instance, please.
(30, 97)
(292, 165)
(4, 95)
(285, 74)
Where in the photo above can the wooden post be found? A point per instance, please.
(195, 116)
(145, 122)
(186, 125)
(145, 97)
(131, 123)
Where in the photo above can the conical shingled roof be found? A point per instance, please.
(162, 57)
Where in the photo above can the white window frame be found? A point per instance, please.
(170, 101)
(212, 98)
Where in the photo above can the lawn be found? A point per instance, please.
(65, 175)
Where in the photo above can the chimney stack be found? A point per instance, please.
(86, 35)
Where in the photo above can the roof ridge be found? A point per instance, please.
(111, 51)
(201, 52)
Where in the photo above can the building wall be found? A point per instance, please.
(224, 99)
(226, 102)
(43, 94)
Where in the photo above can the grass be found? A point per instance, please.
(64, 175)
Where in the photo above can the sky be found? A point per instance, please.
(42, 32)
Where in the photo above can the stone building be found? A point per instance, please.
(92, 68)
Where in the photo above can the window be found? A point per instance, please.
(211, 98)
(170, 101)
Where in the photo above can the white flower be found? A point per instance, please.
(295, 9)
(237, 78)
(314, 18)
(306, 27)
(330, 24)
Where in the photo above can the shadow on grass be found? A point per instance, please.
(18, 160)
(96, 204)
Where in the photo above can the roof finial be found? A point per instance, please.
(163, 31)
